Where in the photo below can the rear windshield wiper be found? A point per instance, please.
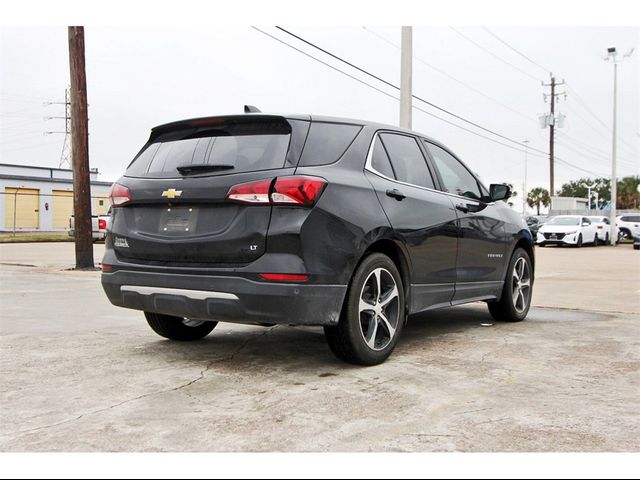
(204, 167)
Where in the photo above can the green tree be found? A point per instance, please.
(538, 196)
(628, 196)
(578, 188)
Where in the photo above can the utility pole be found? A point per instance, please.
(524, 185)
(612, 56)
(551, 121)
(80, 149)
(406, 93)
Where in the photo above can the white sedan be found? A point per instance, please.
(603, 225)
(568, 230)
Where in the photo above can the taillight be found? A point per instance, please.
(102, 224)
(252, 192)
(295, 190)
(119, 195)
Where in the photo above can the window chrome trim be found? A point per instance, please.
(369, 167)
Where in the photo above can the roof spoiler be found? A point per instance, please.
(251, 109)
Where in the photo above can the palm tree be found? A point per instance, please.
(538, 196)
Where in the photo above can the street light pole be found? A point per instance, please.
(612, 56)
(589, 187)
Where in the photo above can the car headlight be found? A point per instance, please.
(571, 233)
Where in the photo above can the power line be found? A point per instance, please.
(442, 72)
(515, 50)
(494, 55)
(437, 107)
(600, 121)
(521, 150)
(591, 149)
(578, 97)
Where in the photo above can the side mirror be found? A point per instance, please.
(499, 191)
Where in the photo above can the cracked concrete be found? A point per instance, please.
(80, 375)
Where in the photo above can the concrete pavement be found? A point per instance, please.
(80, 375)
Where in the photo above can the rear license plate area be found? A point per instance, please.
(178, 221)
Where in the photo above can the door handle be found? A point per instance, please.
(462, 207)
(397, 194)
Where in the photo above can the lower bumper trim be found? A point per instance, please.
(193, 294)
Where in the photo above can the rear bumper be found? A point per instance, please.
(96, 234)
(225, 298)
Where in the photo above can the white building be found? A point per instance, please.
(41, 198)
(569, 203)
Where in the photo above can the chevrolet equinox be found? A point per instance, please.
(306, 220)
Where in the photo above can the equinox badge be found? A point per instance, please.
(172, 193)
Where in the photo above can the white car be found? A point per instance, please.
(603, 225)
(628, 226)
(568, 230)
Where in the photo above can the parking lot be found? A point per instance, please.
(78, 374)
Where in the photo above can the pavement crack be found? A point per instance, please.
(200, 377)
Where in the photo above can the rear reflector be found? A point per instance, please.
(252, 192)
(102, 224)
(106, 268)
(119, 195)
(295, 190)
(284, 277)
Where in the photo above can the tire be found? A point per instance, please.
(363, 311)
(176, 328)
(606, 239)
(579, 242)
(542, 244)
(506, 309)
(596, 242)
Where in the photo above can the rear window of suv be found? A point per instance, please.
(238, 147)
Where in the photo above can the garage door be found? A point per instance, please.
(62, 208)
(23, 207)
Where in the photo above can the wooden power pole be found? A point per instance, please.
(551, 122)
(80, 149)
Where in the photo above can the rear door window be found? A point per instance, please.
(407, 159)
(380, 160)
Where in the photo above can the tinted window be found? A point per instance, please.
(141, 162)
(456, 178)
(631, 218)
(380, 160)
(327, 142)
(406, 157)
(244, 150)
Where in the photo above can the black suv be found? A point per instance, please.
(295, 219)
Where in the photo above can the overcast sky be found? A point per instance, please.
(142, 77)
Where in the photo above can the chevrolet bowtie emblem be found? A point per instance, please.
(172, 193)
